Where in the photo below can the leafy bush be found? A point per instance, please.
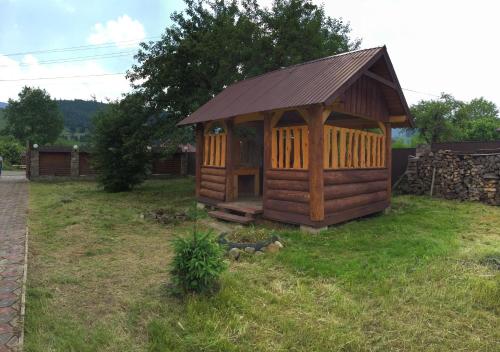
(198, 263)
(11, 150)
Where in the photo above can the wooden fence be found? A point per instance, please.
(400, 162)
(59, 161)
(289, 148)
(468, 146)
(215, 150)
(346, 148)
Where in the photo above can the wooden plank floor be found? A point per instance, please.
(246, 205)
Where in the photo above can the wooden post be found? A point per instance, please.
(230, 194)
(388, 158)
(316, 184)
(199, 156)
(268, 130)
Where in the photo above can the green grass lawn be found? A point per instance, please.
(412, 280)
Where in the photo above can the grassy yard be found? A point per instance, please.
(413, 280)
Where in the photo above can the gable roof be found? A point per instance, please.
(319, 81)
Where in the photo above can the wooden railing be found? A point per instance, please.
(214, 150)
(289, 148)
(346, 148)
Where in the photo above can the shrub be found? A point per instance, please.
(121, 138)
(198, 263)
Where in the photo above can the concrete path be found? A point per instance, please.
(13, 212)
(13, 175)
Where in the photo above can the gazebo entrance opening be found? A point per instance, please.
(248, 151)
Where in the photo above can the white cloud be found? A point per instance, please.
(28, 67)
(124, 32)
(14, 74)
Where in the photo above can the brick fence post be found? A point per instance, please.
(75, 163)
(34, 163)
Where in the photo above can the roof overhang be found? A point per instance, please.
(320, 81)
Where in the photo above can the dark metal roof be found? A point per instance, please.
(312, 82)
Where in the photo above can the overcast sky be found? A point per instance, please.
(435, 46)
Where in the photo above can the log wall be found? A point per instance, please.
(213, 184)
(287, 196)
(354, 193)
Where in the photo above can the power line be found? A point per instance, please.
(118, 54)
(418, 92)
(62, 77)
(77, 58)
(81, 47)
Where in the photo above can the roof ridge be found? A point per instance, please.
(331, 56)
(306, 63)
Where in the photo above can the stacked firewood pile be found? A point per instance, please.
(451, 175)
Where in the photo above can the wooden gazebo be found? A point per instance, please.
(309, 144)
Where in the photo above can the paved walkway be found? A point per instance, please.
(13, 211)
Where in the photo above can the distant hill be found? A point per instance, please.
(78, 113)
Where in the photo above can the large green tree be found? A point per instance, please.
(295, 31)
(215, 43)
(448, 119)
(34, 117)
(434, 118)
(477, 120)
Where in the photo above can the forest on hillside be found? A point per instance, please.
(78, 114)
(77, 117)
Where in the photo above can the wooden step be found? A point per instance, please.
(231, 217)
(241, 208)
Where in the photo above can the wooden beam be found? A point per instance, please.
(398, 118)
(353, 123)
(339, 108)
(276, 116)
(316, 184)
(230, 195)
(304, 112)
(267, 152)
(247, 118)
(382, 127)
(326, 113)
(381, 79)
(209, 124)
(199, 156)
(388, 157)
